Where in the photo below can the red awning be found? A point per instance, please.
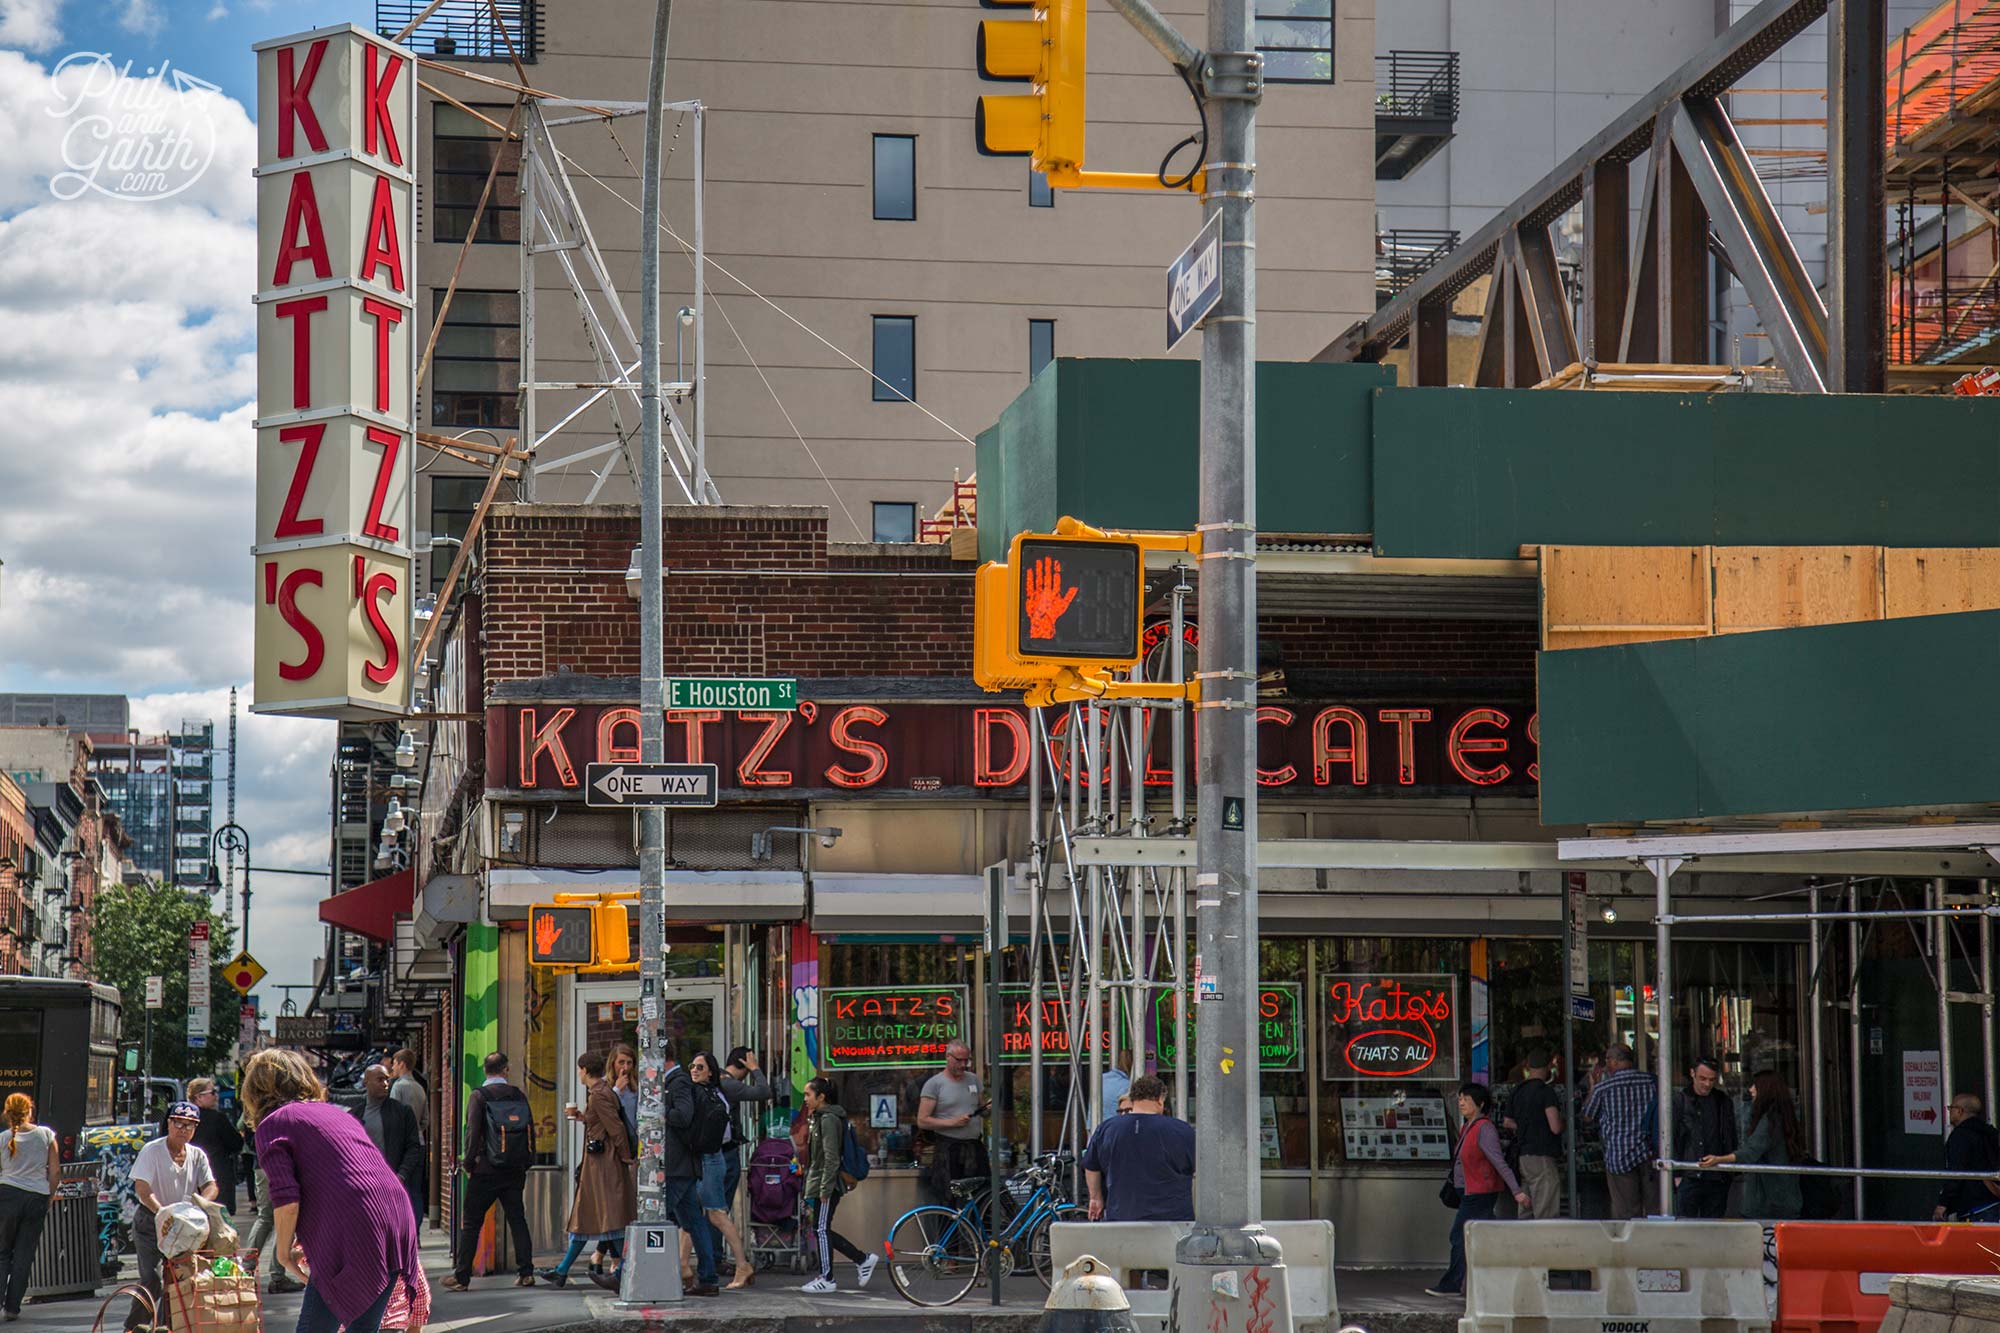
(371, 909)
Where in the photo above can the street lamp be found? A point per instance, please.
(230, 839)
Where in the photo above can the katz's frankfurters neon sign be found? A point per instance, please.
(1392, 1027)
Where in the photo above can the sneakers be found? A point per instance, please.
(867, 1270)
(281, 1283)
(453, 1283)
(819, 1286)
(1440, 1291)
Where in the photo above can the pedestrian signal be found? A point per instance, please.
(578, 935)
(1078, 599)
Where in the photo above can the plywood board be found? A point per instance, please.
(1596, 595)
(1786, 587)
(1932, 581)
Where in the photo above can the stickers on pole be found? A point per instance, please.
(336, 374)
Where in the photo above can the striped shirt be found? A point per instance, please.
(1618, 1106)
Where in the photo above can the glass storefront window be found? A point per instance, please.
(1377, 1118)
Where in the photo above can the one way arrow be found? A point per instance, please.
(650, 784)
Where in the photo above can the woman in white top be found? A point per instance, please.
(30, 1166)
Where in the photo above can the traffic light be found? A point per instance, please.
(1047, 49)
(581, 935)
(1078, 600)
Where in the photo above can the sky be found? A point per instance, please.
(127, 500)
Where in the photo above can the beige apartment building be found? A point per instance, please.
(844, 184)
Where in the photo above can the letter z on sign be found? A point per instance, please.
(649, 784)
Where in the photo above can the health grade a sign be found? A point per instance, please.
(336, 373)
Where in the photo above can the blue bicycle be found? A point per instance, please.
(938, 1254)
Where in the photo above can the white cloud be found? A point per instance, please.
(283, 802)
(30, 24)
(218, 11)
(142, 17)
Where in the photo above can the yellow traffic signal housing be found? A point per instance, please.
(1047, 49)
(1079, 599)
(579, 934)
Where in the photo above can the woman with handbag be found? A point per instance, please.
(606, 1198)
(1478, 1172)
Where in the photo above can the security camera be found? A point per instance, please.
(828, 837)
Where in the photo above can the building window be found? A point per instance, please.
(462, 151)
(1296, 39)
(895, 522)
(895, 358)
(1040, 193)
(1041, 345)
(452, 501)
(476, 370)
(895, 177)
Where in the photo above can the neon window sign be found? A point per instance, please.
(890, 1027)
(1391, 1026)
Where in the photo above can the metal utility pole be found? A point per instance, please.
(651, 1272)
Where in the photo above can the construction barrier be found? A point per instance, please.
(1614, 1277)
(1833, 1277)
(1139, 1254)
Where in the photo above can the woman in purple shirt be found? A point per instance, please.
(333, 1191)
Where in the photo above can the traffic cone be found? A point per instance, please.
(1087, 1299)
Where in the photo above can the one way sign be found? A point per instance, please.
(649, 784)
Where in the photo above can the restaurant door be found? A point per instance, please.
(607, 1012)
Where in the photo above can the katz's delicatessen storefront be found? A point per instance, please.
(854, 950)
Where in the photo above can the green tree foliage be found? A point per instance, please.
(141, 930)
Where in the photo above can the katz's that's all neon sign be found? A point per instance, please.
(1381, 1027)
(1382, 747)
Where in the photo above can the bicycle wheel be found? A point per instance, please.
(1038, 1239)
(934, 1255)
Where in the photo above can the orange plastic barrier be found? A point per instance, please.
(1833, 1277)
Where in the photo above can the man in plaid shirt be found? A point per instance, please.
(1620, 1106)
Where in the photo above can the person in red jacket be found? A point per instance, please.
(1479, 1171)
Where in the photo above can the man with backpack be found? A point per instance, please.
(499, 1149)
(681, 1170)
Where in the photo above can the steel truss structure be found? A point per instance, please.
(1644, 303)
(555, 230)
(1940, 926)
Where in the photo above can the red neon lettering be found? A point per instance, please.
(286, 595)
(694, 719)
(1354, 754)
(751, 772)
(878, 758)
(375, 117)
(292, 99)
(385, 317)
(1405, 720)
(1463, 744)
(1384, 1001)
(1267, 1004)
(608, 748)
(378, 585)
(1276, 777)
(1064, 751)
(535, 739)
(381, 245)
(301, 213)
(947, 1005)
(301, 312)
(374, 525)
(1535, 739)
(308, 438)
(983, 722)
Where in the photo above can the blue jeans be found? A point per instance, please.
(1472, 1208)
(682, 1197)
(316, 1317)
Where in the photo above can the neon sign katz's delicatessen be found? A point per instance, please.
(1331, 747)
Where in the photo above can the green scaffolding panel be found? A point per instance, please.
(1879, 714)
(1117, 444)
(1479, 473)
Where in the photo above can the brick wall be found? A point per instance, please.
(755, 591)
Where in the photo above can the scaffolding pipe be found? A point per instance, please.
(1663, 868)
(1870, 1173)
(1139, 998)
(1854, 1043)
(1178, 656)
(1908, 914)
(1814, 1011)
(1094, 1015)
(1986, 1004)
(1037, 900)
(531, 226)
(1941, 950)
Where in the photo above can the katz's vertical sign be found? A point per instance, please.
(336, 373)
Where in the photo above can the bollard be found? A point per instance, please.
(1087, 1299)
(1230, 1282)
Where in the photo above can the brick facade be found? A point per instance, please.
(761, 591)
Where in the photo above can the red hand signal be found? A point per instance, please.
(547, 932)
(1046, 601)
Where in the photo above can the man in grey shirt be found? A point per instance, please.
(410, 1092)
(952, 1110)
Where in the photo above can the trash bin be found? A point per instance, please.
(68, 1261)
